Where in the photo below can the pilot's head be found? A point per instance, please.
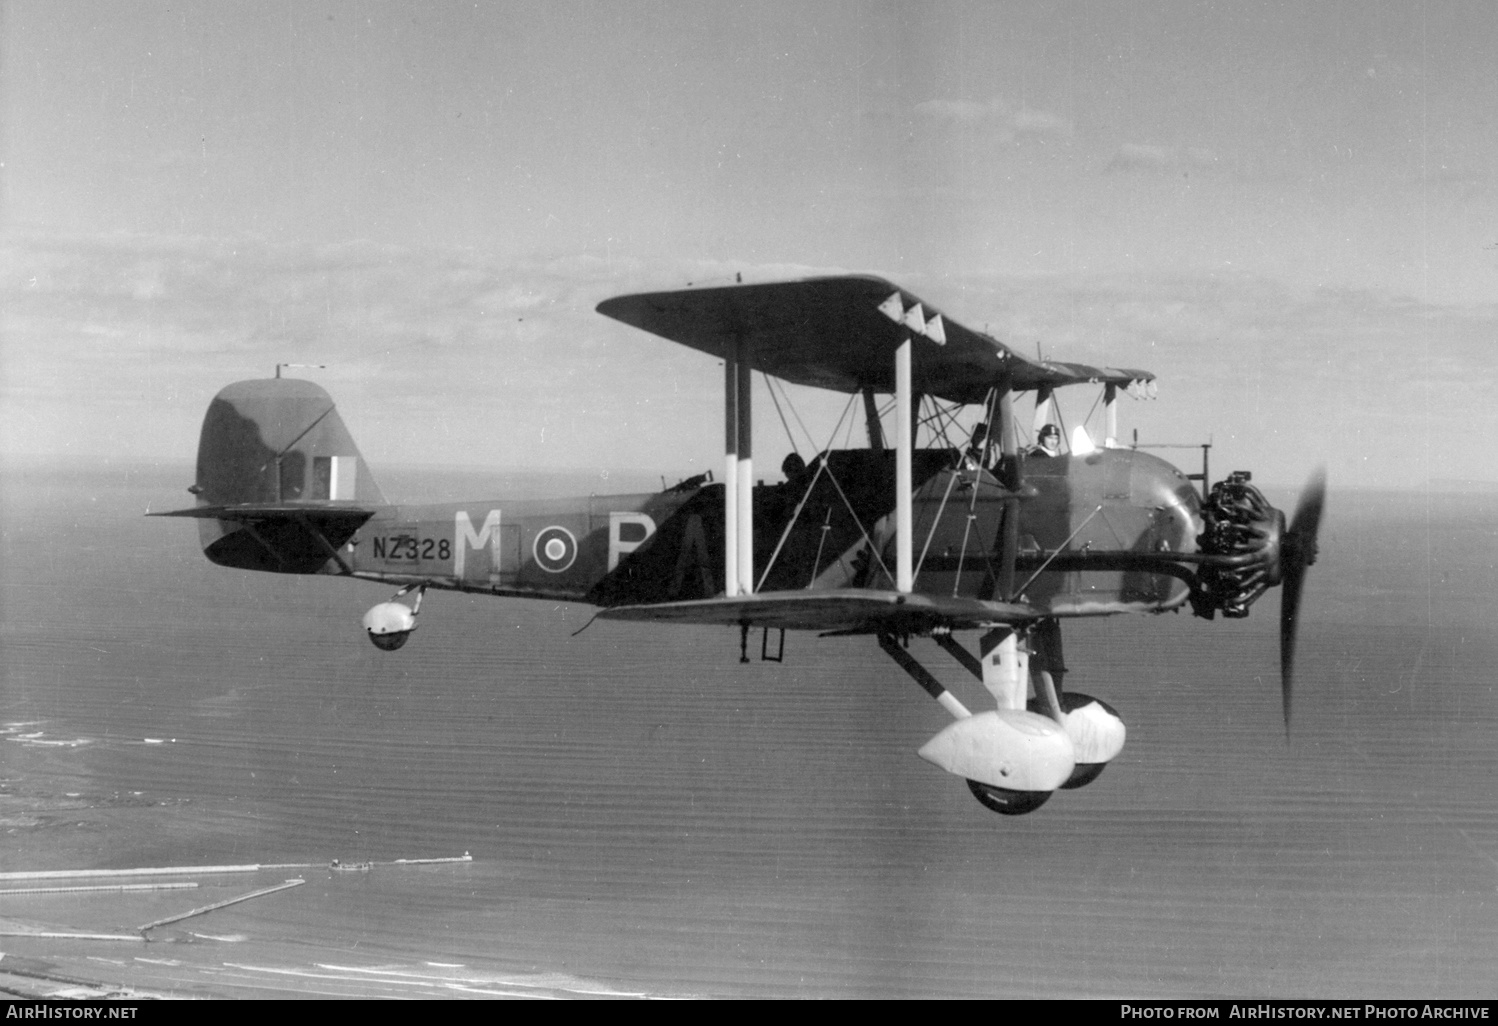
(1050, 438)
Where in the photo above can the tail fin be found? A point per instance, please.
(279, 441)
(281, 485)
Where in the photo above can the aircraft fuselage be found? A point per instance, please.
(831, 528)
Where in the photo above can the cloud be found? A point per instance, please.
(1010, 122)
(1142, 157)
(1041, 123)
(1281, 377)
(126, 338)
(954, 110)
(115, 345)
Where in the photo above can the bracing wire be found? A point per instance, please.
(939, 423)
(848, 438)
(784, 535)
(873, 549)
(811, 439)
(1041, 569)
(821, 466)
(783, 423)
(848, 408)
(936, 521)
(1096, 399)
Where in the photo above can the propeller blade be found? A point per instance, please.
(1307, 520)
(1289, 621)
(1298, 552)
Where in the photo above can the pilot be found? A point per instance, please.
(1049, 442)
(796, 481)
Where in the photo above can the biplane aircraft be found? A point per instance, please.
(915, 535)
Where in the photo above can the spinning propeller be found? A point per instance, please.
(1297, 553)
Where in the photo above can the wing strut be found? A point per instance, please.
(738, 477)
(730, 475)
(1012, 478)
(871, 418)
(746, 467)
(1045, 408)
(904, 507)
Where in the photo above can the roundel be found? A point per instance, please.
(555, 549)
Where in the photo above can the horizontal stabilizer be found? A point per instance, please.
(847, 609)
(273, 511)
(277, 537)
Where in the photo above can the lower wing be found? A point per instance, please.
(844, 611)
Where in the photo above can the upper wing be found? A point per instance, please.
(846, 609)
(841, 333)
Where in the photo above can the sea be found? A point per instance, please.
(645, 816)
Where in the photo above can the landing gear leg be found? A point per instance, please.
(1046, 671)
(1011, 758)
(1005, 657)
(922, 676)
(420, 589)
(1096, 730)
(1004, 666)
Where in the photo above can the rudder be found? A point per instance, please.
(276, 459)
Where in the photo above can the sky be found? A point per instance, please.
(1288, 212)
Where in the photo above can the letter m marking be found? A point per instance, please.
(464, 537)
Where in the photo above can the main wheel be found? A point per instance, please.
(390, 625)
(1096, 730)
(389, 642)
(1006, 802)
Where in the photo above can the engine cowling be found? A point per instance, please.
(390, 625)
(1239, 525)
